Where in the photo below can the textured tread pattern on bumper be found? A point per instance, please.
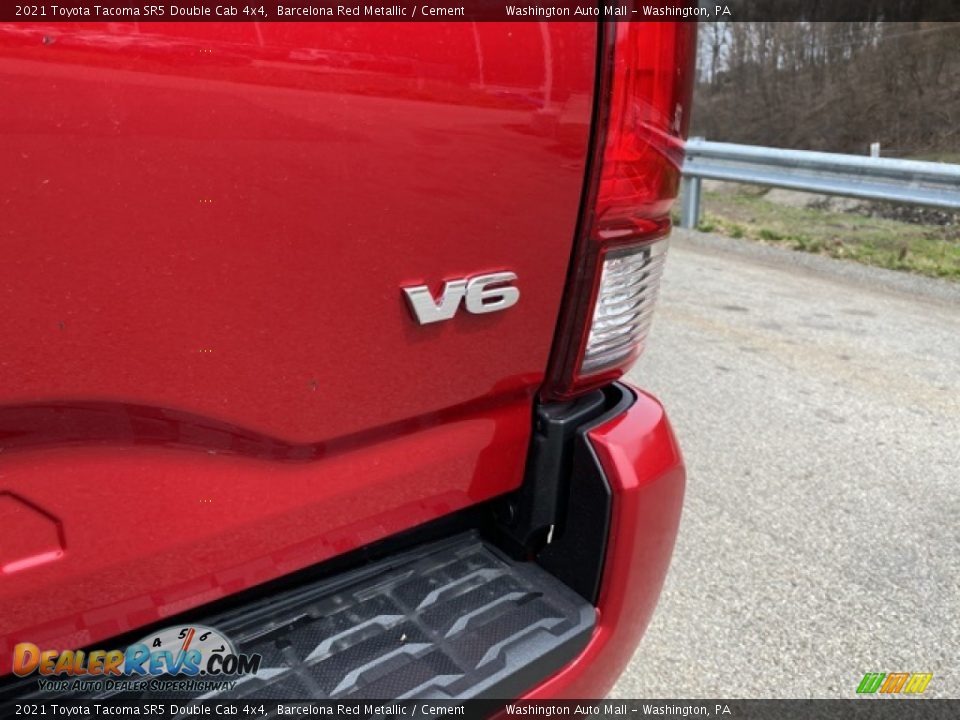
(451, 619)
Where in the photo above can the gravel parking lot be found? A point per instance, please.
(818, 405)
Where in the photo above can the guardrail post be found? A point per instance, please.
(690, 202)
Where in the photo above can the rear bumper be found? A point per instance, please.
(456, 617)
(643, 465)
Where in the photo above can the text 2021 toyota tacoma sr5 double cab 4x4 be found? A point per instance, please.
(311, 345)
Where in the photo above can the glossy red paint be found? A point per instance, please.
(208, 376)
(217, 219)
(642, 461)
(150, 531)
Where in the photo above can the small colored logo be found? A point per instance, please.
(892, 683)
(186, 651)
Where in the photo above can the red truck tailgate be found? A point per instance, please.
(209, 376)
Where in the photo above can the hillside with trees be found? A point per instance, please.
(832, 86)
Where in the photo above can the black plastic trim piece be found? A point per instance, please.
(561, 513)
(579, 545)
(530, 513)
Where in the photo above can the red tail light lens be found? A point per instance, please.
(641, 123)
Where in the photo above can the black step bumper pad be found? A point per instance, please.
(453, 619)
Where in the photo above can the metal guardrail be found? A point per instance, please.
(907, 181)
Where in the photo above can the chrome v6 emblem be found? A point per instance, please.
(483, 293)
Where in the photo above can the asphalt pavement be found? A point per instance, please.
(818, 406)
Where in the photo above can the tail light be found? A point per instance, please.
(641, 122)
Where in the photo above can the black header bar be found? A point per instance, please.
(608, 709)
(483, 11)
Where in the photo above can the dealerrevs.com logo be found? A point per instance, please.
(193, 657)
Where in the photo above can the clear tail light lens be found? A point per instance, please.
(641, 123)
(629, 284)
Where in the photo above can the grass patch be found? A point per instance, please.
(944, 157)
(930, 250)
